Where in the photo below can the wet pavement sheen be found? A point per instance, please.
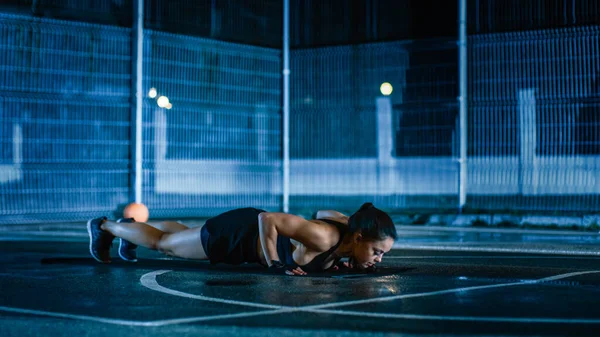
(57, 289)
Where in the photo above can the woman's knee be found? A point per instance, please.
(164, 245)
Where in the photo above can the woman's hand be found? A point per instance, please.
(341, 266)
(278, 267)
(345, 266)
(295, 272)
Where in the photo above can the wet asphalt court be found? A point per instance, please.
(431, 284)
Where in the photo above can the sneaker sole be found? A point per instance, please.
(89, 230)
(121, 256)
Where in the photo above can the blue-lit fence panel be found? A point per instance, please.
(64, 111)
(219, 145)
(534, 119)
(350, 143)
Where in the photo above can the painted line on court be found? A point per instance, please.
(321, 307)
(448, 291)
(69, 316)
(460, 318)
(425, 294)
(149, 281)
(140, 323)
(313, 308)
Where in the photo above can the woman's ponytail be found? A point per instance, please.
(372, 223)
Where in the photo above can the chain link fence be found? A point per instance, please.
(65, 107)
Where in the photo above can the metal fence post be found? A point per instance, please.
(286, 106)
(462, 52)
(137, 51)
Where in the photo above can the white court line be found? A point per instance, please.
(316, 309)
(431, 293)
(140, 323)
(561, 276)
(447, 291)
(461, 318)
(313, 308)
(149, 281)
(319, 308)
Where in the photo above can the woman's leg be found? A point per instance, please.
(168, 226)
(185, 243)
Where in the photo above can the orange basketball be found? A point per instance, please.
(135, 210)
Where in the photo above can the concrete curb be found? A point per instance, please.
(427, 228)
(474, 247)
(585, 222)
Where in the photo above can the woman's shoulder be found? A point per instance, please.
(333, 222)
(331, 228)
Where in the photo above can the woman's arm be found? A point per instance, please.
(271, 225)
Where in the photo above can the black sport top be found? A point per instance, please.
(232, 238)
(284, 249)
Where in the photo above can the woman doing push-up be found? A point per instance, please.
(283, 242)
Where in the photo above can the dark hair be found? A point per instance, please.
(372, 223)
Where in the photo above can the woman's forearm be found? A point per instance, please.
(267, 230)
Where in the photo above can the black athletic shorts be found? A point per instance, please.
(231, 237)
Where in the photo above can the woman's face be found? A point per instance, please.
(367, 253)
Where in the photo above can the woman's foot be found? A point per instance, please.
(126, 248)
(100, 240)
